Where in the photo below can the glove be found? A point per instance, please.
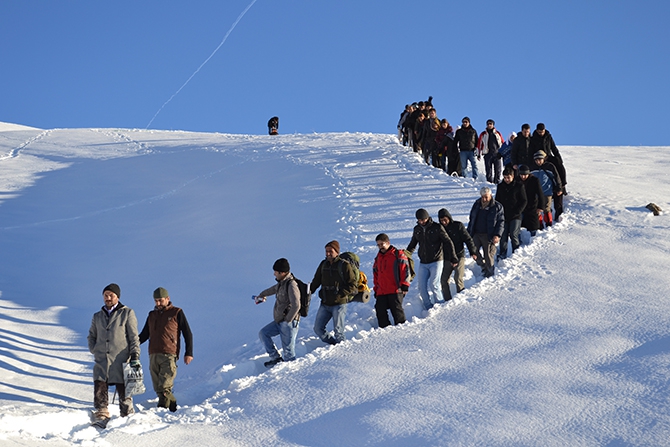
(135, 364)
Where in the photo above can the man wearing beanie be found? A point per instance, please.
(434, 246)
(543, 141)
(459, 236)
(113, 341)
(286, 314)
(465, 139)
(338, 284)
(551, 185)
(164, 327)
(512, 196)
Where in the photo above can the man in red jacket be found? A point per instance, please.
(391, 281)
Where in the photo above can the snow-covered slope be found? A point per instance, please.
(566, 345)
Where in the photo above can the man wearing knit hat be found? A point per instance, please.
(338, 284)
(434, 247)
(113, 341)
(286, 314)
(163, 328)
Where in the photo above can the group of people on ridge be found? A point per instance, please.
(453, 149)
(528, 173)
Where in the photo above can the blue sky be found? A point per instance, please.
(594, 71)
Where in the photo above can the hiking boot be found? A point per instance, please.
(270, 363)
(101, 414)
(173, 406)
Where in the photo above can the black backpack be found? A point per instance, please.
(305, 296)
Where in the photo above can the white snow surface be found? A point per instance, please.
(568, 344)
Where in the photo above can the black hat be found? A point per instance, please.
(281, 265)
(422, 214)
(524, 170)
(490, 121)
(114, 288)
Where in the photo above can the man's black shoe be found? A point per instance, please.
(273, 362)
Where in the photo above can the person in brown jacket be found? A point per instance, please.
(163, 328)
(286, 314)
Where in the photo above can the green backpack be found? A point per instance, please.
(363, 295)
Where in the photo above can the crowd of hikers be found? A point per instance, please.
(527, 173)
(528, 176)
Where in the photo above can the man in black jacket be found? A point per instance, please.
(522, 153)
(434, 247)
(543, 141)
(512, 195)
(459, 236)
(465, 140)
(532, 215)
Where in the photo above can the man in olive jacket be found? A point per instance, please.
(113, 341)
(338, 285)
(164, 327)
(286, 314)
(434, 247)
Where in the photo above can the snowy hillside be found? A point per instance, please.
(566, 345)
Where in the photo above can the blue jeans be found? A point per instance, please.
(469, 156)
(494, 168)
(288, 333)
(430, 275)
(511, 231)
(323, 316)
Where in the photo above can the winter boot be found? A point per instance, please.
(273, 362)
(548, 219)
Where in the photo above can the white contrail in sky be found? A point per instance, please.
(203, 64)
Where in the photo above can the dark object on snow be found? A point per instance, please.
(654, 209)
(273, 125)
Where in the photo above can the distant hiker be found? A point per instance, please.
(434, 247)
(286, 314)
(543, 141)
(273, 125)
(522, 153)
(164, 327)
(489, 143)
(338, 285)
(486, 226)
(466, 141)
(512, 196)
(431, 127)
(113, 341)
(403, 138)
(551, 183)
(532, 214)
(391, 281)
(459, 236)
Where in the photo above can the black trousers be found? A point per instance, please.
(393, 302)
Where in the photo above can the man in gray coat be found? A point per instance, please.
(113, 341)
(286, 314)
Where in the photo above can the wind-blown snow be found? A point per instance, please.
(567, 345)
